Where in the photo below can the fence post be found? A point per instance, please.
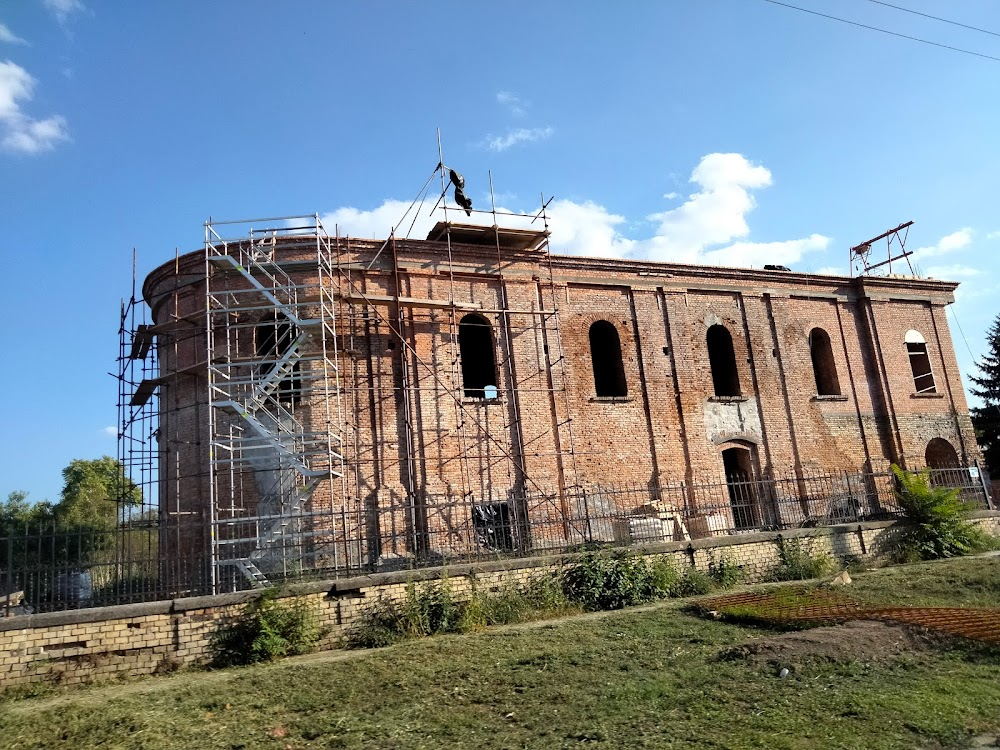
(586, 515)
(986, 488)
(10, 572)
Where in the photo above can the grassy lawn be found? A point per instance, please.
(631, 679)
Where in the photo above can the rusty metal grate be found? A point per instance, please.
(821, 606)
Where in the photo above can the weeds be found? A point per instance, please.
(594, 582)
(695, 583)
(265, 630)
(725, 572)
(432, 608)
(599, 582)
(798, 564)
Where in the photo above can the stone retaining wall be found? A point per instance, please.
(155, 637)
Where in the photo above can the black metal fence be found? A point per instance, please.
(52, 569)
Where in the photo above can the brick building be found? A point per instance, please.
(361, 401)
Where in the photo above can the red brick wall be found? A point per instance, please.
(547, 432)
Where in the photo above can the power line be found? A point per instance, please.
(936, 18)
(884, 31)
(955, 318)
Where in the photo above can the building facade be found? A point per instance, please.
(365, 401)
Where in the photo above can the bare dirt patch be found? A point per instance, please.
(853, 641)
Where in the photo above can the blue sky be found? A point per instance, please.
(733, 132)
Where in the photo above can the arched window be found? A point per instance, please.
(606, 355)
(824, 368)
(920, 363)
(280, 369)
(479, 367)
(722, 358)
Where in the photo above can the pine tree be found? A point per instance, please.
(986, 418)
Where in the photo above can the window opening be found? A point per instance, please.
(479, 368)
(493, 526)
(274, 338)
(824, 366)
(722, 357)
(920, 363)
(606, 355)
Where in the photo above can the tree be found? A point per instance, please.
(18, 516)
(93, 491)
(986, 418)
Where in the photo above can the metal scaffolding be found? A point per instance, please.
(242, 419)
(275, 434)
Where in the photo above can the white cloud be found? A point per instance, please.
(63, 10)
(832, 271)
(947, 244)
(518, 135)
(951, 272)
(671, 196)
(8, 36)
(515, 104)
(110, 431)
(20, 132)
(710, 227)
(993, 236)
(379, 222)
(587, 229)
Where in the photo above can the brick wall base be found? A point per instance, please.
(91, 645)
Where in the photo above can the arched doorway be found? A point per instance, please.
(741, 483)
(942, 459)
(941, 454)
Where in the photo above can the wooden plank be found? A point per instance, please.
(142, 341)
(144, 392)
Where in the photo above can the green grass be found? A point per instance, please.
(972, 582)
(634, 679)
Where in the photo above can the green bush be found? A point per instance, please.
(796, 563)
(265, 630)
(541, 598)
(695, 583)
(664, 579)
(431, 609)
(725, 572)
(600, 582)
(937, 520)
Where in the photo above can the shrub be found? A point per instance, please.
(797, 563)
(599, 582)
(937, 520)
(725, 572)
(431, 609)
(265, 630)
(695, 583)
(664, 579)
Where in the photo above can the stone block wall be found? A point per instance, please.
(97, 644)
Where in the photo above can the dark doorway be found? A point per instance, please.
(940, 454)
(740, 481)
